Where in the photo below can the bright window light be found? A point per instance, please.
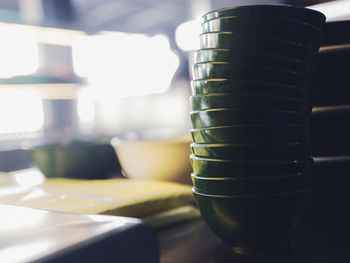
(20, 112)
(187, 35)
(18, 52)
(125, 65)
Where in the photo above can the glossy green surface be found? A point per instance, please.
(84, 160)
(224, 117)
(253, 58)
(250, 185)
(255, 223)
(252, 134)
(224, 168)
(241, 101)
(274, 46)
(219, 70)
(253, 151)
(290, 30)
(227, 86)
(299, 14)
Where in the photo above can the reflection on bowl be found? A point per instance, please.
(156, 159)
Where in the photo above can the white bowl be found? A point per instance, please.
(157, 159)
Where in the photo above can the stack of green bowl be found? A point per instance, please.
(251, 109)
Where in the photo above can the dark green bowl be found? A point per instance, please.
(290, 30)
(227, 86)
(253, 151)
(299, 14)
(219, 70)
(78, 159)
(254, 224)
(220, 168)
(241, 101)
(252, 134)
(226, 117)
(250, 185)
(274, 46)
(253, 58)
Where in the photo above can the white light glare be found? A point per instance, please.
(334, 10)
(187, 35)
(124, 65)
(18, 52)
(20, 111)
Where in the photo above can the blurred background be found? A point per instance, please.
(87, 69)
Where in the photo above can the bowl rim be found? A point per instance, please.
(247, 178)
(251, 126)
(184, 139)
(243, 80)
(259, 37)
(218, 160)
(301, 190)
(238, 94)
(284, 19)
(274, 6)
(210, 145)
(254, 66)
(241, 110)
(251, 51)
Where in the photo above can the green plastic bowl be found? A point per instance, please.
(77, 159)
(254, 224)
(241, 101)
(253, 151)
(252, 134)
(274, 46)
(226, 117)
(219, 168)
(250, 185)
(252, 58)
(299, 14)
(228, 86)
(219, 70)
(290, 30)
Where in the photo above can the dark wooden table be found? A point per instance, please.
(194, 242)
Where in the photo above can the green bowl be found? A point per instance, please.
(299, 14)
(252, 134)
(253, 151)
(252, 58)
(227, 86)
(290, 30)
(274, 46)
(241, 101)
(219, 70)
(219, 168)
(250, 185)
(254, 224)
(225, 117)
(77, 159)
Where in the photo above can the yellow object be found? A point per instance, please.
(161, 159)
(159, 202)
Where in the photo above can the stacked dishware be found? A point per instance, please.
(251, 108)
(330, 134)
